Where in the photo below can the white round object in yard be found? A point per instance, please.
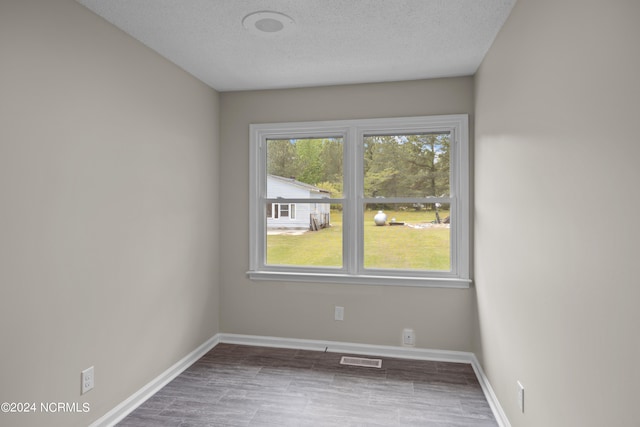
(380, 218)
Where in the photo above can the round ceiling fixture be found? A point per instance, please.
(266, 23)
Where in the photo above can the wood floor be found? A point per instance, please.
(235, 385)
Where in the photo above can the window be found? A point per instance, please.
(284, 210)
(376, 201)
(280, 210)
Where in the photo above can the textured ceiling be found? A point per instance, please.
(332, 41)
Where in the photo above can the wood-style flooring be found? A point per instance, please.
(237, 385)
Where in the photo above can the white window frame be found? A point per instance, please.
(353, 201)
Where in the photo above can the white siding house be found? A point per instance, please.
(296, 215)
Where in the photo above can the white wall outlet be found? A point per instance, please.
(408, 337)
(521, 396)
(87, 380)
(338, 313)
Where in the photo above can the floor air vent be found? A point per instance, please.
(361, 361)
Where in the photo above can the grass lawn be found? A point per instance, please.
(396, 247)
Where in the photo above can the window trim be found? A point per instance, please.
(353, 271)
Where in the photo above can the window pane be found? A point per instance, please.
(409, 165)
(312, 239)
(304, 168)
(410, 236)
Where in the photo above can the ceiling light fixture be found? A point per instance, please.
(267, 23)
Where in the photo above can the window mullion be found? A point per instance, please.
(350, 217)
(358, 171)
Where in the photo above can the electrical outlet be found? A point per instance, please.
(408, 337)
(338, 313)
(521, 396)
(87, 378)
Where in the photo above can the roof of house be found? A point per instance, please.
(299, 184)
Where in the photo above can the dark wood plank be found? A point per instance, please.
(235, 385)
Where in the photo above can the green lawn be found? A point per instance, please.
(387, 246)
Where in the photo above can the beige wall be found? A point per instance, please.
(556, 216)
(442, 318)
(108, 211)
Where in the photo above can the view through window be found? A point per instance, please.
(309, 169)
(361, 199)
(414, 167)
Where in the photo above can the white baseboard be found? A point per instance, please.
(492, 399)
(138, 398)
(116, 415)
(352, 348)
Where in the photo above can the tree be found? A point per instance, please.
(309, 165)
(429, 163)
(308, 160)
(406, 165)
(332, 160)
(281, 157)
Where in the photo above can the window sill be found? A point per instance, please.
(425, 282)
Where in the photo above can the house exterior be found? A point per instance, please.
(312, 215)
